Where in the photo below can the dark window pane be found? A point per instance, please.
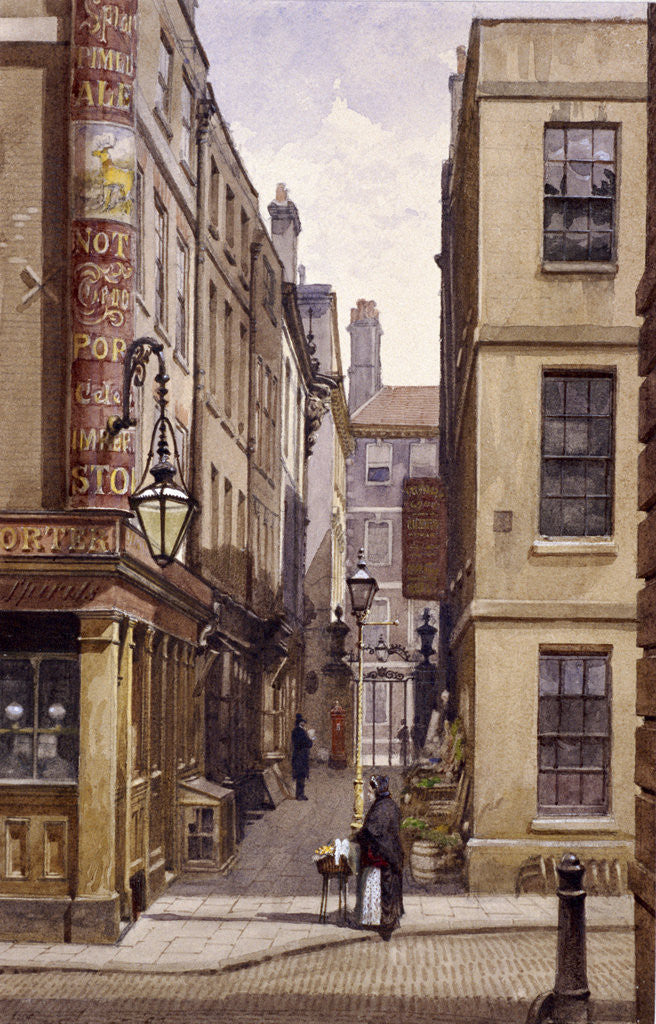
(576, 214)
(378, 474)
(554, 179)
(574, 477)
(547, 789)
(576, 247)
(595, 680)
(573, 513)
(576, 437)
(549, 672)
(548, 716)
(554, 396)
(551, 478)
(550, 517)
(597, 521)
(593, 753)
(600, 436)
(569, 753)
(603, 144)
(554, 437)
(596, 477)
(603, 180)
(573, 676)
(554, 246)
(554, 144)
(579, 143)
(547, 754)
(601, 214)
(596, 717)
(571, 717)
(576, 400)
(15, 756)
(207, 848)
(600, 391)
(579, 178)
(59, 684)
(16, 693)
(593, 790)
(601, 246)
(553, 215)
(569, 789)
(207, 819)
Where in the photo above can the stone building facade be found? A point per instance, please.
(133, 722)
(538, 405)
(396, 439)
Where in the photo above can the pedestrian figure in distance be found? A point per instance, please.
(380, 883)
(415, 732)
(301, 743)
(404, 736)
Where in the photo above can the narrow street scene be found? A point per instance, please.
(327, 511)
(248, 946)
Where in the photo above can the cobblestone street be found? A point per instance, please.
(483, 977)
(247, 947)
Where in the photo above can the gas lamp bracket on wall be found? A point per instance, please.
(163, 507)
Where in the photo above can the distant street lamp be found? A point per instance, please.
(362, 589)
(164, 507)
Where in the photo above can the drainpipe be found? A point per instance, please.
(201, 333)
(251, 440)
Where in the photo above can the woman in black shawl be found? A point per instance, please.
(380, 847)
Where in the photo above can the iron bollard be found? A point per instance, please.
(568, 1002)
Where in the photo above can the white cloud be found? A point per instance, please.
(369, 206)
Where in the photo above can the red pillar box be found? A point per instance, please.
(338, 751)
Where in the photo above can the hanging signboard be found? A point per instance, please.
(424, 538)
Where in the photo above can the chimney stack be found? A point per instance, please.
(285, 229)
(461, 55)
(364, 372)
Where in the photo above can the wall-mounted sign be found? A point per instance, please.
(424, 538)
(103, 246)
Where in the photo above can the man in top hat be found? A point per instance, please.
(301, 743)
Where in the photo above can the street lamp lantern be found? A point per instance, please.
(163, 506)
(381, 649)
(362, 590)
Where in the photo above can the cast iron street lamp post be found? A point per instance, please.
(164, 508)
(362, 590)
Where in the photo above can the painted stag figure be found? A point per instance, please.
(117, 181)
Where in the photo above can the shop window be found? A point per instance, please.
(577, 455)
(574, 733)
(579, 193)
(200, 834)
(379, 463)
(39, 717)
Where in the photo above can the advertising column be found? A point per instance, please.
(103, 243)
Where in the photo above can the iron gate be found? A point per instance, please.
(387, 716)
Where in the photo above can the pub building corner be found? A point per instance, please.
(137, 701)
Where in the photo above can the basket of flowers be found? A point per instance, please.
(324, 858)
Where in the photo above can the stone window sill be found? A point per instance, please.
(160, 331)
(576, 546)
(163, 122)
(583, 267)
(604, 823)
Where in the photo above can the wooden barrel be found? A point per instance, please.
(426, 860)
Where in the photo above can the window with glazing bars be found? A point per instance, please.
(574, 733)
(160, 261)
(163, 87)
(576, 498)
(579, 193)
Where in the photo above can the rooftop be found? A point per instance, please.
(400, 407)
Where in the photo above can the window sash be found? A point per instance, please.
(374, 534)
(379, 463)
(577, 456)
(574, 733)
(160, 262)
(163, 91)
(182, 286)
(39, 743)
(185, 124)
(579, 193)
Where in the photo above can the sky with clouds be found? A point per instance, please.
(347, 103)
